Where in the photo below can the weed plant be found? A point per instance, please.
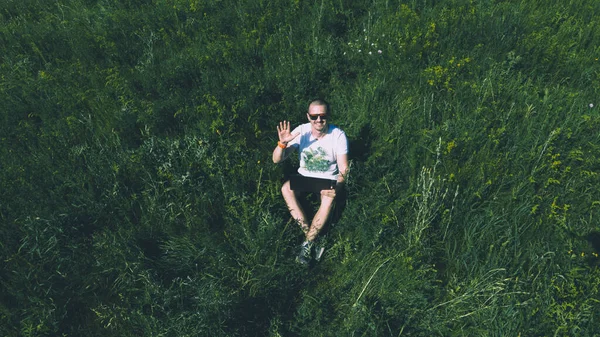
(139, 199)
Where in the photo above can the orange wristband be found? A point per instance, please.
(281, 145)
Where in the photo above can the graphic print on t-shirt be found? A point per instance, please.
(315, 159)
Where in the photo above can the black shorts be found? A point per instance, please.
(301, 183)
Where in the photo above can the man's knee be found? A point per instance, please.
(327, 201)
(328, 196)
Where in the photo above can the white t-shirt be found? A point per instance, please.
(318, 158)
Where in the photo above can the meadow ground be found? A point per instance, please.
(139, 197)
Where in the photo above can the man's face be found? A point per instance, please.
(317, 117)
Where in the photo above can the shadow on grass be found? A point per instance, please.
(593, 239)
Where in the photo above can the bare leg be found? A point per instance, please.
(291, 199)
(321, 217)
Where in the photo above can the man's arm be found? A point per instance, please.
(279, 154)
(342, 163)
(285, 136)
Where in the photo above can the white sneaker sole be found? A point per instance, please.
(319, 253)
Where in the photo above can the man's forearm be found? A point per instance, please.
(341, 179)
(278, 154)
(343, 167)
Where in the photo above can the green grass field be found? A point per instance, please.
(139, 197)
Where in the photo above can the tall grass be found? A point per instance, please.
(139, 197)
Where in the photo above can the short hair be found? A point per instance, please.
(320, 102)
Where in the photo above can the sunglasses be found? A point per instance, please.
(314, 117)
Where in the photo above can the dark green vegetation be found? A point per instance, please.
(139, 197)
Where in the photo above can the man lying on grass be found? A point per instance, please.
(323, 152)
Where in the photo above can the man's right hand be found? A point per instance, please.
(283, 130)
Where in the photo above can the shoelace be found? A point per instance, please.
(306, 249)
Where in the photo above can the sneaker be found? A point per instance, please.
(319, 253)
(319, 247)
(305, 253)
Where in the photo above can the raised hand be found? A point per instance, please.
(283, 130)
